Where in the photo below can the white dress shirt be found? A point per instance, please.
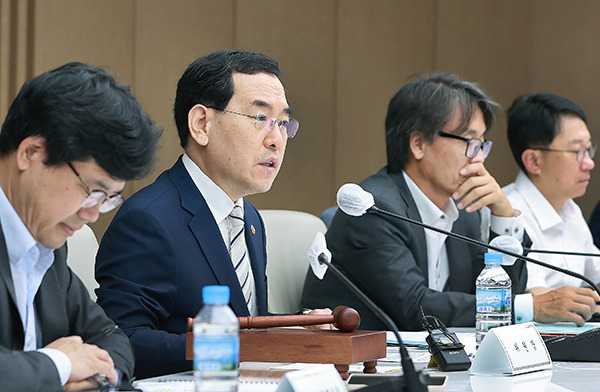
(437, 256)
(29, 262)
(564, 230)
(220, 205)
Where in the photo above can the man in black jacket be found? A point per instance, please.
(70, 140)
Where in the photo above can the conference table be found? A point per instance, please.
(563, 376)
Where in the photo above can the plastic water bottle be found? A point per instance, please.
(494, 298)
(216, 343)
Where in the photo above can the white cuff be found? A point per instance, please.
(61, 361)
(511, 226)
(523, 308)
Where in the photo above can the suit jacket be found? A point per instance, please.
(161, 248)
(63, 308)
(387, 259)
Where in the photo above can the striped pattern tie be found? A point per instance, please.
(237, 251)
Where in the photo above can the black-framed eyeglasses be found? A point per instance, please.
(591, 150)
(473, 145)
(98, 196)
(288, 127)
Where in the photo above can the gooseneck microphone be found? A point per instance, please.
(355, 201)
(561, 252)
(319, 257)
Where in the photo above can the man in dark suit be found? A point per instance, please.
(173, 237)
(435, 135)
(70, 140)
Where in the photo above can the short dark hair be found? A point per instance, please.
(535, 120)
(209, 81)
(83, 113)
(426, 105)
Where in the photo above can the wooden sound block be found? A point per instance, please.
(309, 346)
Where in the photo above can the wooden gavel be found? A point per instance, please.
(343, 318)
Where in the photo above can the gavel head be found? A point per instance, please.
(345, 319)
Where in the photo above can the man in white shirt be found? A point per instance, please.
(70, 140)
(551, 143)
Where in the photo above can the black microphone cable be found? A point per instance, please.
(413, 383)
(472, 241)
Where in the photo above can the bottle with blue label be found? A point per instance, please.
(493, 292)
(216, 343)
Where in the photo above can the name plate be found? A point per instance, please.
(511, 350)
(322, 378)
(530, 382)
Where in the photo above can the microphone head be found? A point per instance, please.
(354, 200)
(510, 244)
(319, 248)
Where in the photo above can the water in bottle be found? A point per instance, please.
(493, 292)
(216, 343)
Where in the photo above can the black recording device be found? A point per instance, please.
(445, 348)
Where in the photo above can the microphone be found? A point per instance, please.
(320, 260)
(355, 201)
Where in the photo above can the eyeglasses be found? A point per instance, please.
(580, 152)
(288, 127)
(95, 197)
(473, 145)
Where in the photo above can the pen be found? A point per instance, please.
(105, 332)
(101, 379)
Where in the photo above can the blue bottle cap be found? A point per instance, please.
(215, 295)
(491, 258)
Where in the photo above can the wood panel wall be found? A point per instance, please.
(341, 62)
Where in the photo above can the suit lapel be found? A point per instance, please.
(420, 248)
(5, 269)
(458, 252)
(206, 231)
(254, 241)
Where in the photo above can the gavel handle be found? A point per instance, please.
(284, 321)
(277, 321)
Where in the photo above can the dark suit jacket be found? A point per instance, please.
(387, 258)
(162, 247)
(63, 308)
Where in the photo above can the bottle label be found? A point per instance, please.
(213, 353)
(493, 300)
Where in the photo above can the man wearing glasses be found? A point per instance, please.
(70, 140)
(436, 130)
(192, 227)
(550, 142)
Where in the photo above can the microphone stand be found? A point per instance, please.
(471, 241)
(561, 252)
(413, 383)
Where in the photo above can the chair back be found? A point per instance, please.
(289, 236)
(82, 247)
(328, 214)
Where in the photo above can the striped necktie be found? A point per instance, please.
(237, 251)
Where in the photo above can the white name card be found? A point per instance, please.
(511, 350)
(324, 378)
(531, 382)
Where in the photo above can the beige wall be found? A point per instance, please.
(342, 60)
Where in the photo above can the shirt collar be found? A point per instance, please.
(430, 213)
(18, 238)
(219, 203)
(540, 207)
